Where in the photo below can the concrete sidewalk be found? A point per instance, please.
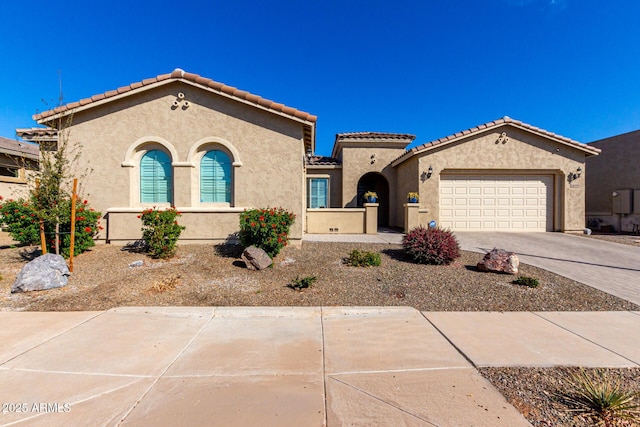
(315, 366)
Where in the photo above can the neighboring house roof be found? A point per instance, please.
(38, 134)
(624, 137)
(323, 161)
(396, 140)
(178, 74)
(19, 149)
(591, 151)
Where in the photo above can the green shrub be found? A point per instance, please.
(161, 231)
(23, 224)
(267, 229)
(86, 228)
(431, 246)
(526, 281)
(358, 258)
(21, 220)
(602, 399)
(301, 283)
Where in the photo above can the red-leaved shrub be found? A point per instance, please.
(431, 246)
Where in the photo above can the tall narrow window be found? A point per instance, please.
(155, 177)
(215, 177)
(318, 194)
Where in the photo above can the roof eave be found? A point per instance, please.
(443, 142)
(88, 103)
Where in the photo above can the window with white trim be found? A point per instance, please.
(156, 177)
(215, 177)
(318, 193)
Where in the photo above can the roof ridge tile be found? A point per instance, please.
(179, 74)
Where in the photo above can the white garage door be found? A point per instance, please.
(496, 203)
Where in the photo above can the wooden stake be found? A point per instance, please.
(43, 240)
(74, 197)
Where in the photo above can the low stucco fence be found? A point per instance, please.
(343, 220)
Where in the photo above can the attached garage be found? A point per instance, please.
(496, 203)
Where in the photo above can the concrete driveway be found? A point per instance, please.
(610, 267)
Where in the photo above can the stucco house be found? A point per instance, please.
(17, 161)
(212, 151)
(613, 184)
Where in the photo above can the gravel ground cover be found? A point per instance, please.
(214, 276)
(206, 275)
(538, 393)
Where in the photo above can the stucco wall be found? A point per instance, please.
(523, 153)
(357, 161)
(267, 151)
(615, 168)
(338, 221)
(408, 180)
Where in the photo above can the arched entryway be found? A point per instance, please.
(374, 181)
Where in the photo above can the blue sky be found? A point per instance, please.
(430, 67)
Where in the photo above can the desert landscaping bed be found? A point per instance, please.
(207, 275)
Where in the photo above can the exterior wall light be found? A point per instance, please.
(575, 175)
(426, 175)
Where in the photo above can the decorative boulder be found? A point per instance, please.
(48, 271)
(499, 260)
(255, 258)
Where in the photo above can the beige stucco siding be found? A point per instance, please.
(523, 153)
(407, 180)
(615, 168)
(358, 161)
(266, 148)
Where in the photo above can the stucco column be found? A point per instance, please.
(411, 216)
(182, 185)
(371, 218)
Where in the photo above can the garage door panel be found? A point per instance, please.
(496, 203)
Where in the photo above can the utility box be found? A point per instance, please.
(636, 201)
(622, 201)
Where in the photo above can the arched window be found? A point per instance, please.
(155, 177)
(215, 177)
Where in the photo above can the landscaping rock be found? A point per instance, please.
(255, 258)
(138, 263)
(48, 271)
(287, 261)
(499, 260)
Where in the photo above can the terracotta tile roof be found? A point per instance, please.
(17, 148)
(493, 124)
(179, 74)
(323, 161)
(397, 140)
(38, 134)
(373, 135)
